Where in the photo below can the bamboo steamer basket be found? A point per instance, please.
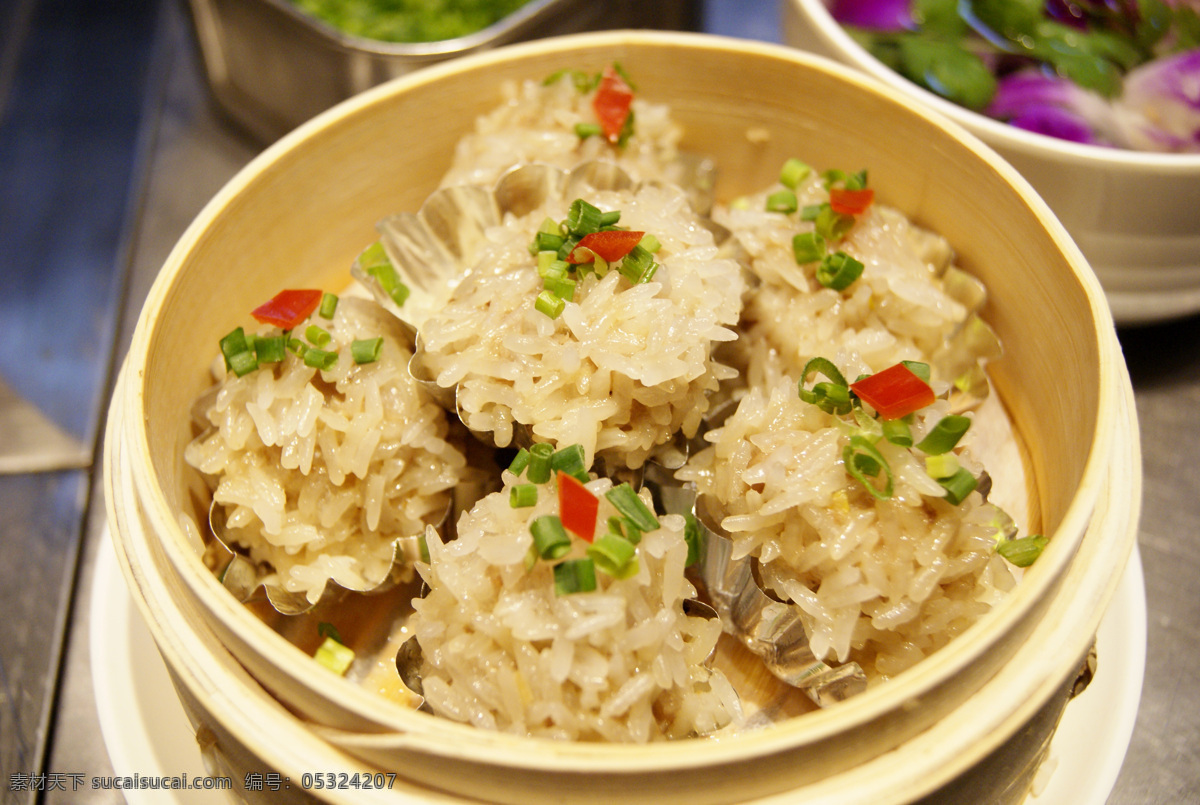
(300, 213)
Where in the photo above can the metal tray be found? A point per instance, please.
(270, 66)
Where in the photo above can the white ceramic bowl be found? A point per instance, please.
(1135, 215)
(311, 202)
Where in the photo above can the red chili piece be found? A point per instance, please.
(288, 308)
(895, 392)
(611, 245)
(851, 202)
(611, 103)
(577, 507)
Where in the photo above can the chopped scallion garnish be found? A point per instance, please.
(585, 130)
(521, 496)
(583, 218)
(944, 435)
(694, 536)
(897, 432)
(571, 461)
(650, 243)
(808, 247)
(864, 461)
(539, 462)
(335, 656)
(614, 555)
(329, 303)
(319, 358)
(832, 397)
(520, 462)
(550, 539)
(317, 336)
(366, 350)
(944, 465)
(376, 263)
(627, 502)
(832, 225)
(574, 576)
(270, 349)
(550, 304)
(783, 201)
(959, 485)
(793, 173)
(242, 363)
(838, 271)
(1024, 551)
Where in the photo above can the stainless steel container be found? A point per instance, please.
(271, 67)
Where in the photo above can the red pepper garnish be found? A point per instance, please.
(895, 392)
(611, 103)
(611, 245)
(577, 507)
(288, 308)
(851, 202)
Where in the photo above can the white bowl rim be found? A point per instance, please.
(994, 131)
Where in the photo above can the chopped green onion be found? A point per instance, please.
(233, 343)
(574, 576)
(838, 271)
(623, 527)
(783, 201)
(242, 363)
(650, 243)
(959, 485)
(614, 555)
(833, 397)
(550, 304)
(638, 266)
(897, 432)
(583, 218)
(810, 212)
(423, 545)
(585, 130)
(319, 358)
(522, 496)
(326, 629)
(270, 349)
(944, 435)
(610, 218)
(919, 369)
(1024, 551)
(550, 266)
(376, 263)
(571, 461)
(297, 347)
(520, 462)
(941, 466)
(793, 173)
(695, 538)
(627, 502)
(833, 225)
(561, 287)
(334, 656)
(366, 350)
(317, 336)
(539, 462)
(549, 537)
(808, 247)
(329, 303)
(547, 242)
(850, 181)
(864, 461)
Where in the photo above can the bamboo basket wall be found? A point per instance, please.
(303, 210)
